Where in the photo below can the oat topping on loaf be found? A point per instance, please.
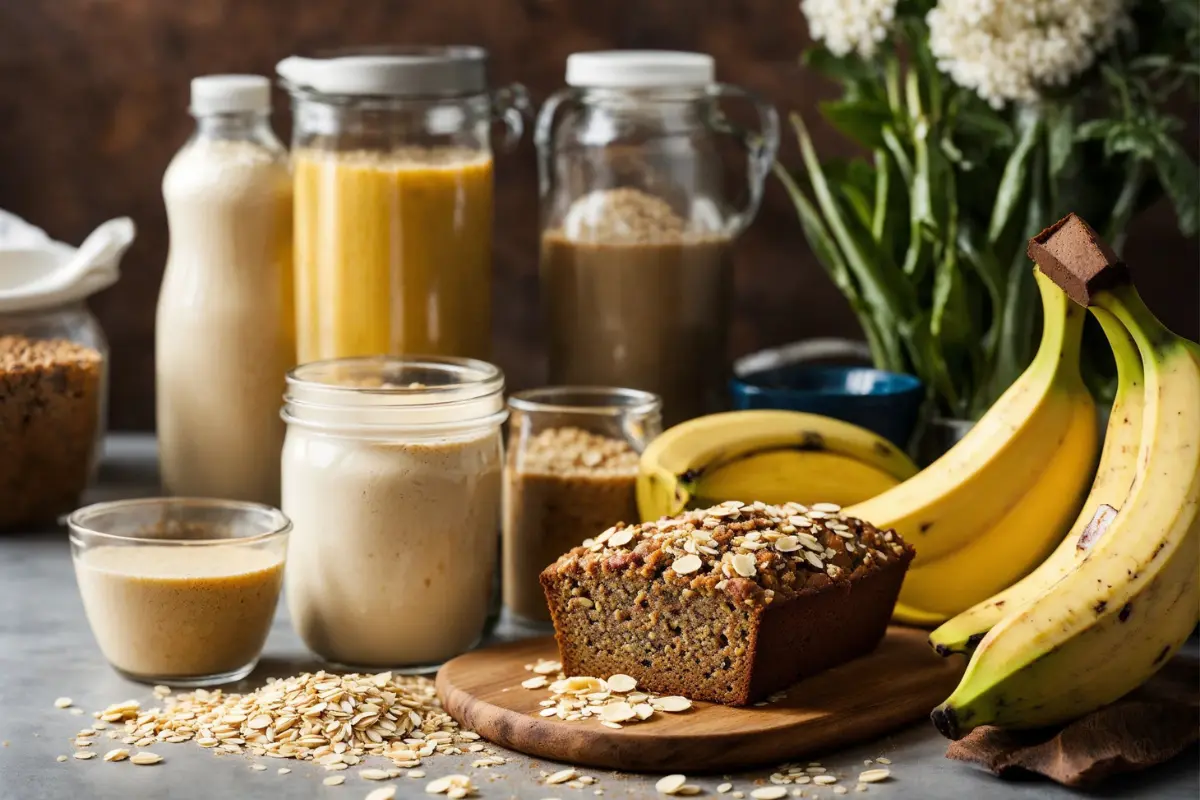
(755, 553)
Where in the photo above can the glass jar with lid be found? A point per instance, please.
(393, 196)
(392, 480)
(570, 473)
(639, 214)
(53, 368)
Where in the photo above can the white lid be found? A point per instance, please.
(230, 94)
(639, 69)
(396, 72)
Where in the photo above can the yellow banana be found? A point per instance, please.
(783, 476)
(1117, 617)
(1018, 540)
(678, 461)
(1114, 477)
(956, 499)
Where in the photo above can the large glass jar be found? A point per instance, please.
(391, 477)
(639, 214)
(393, 188)
(53, 400)
(570, 473)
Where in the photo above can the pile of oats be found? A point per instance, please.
(614, 702)
(334, 720)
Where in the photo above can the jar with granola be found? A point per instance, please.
(639, 217)
(570, 473)
(52, 406)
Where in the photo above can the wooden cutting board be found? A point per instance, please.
(896, 684)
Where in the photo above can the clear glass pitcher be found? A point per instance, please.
(392, 155)
(639, 215)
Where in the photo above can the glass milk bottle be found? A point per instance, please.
(393, 160)
(639, 217)
(224, 338)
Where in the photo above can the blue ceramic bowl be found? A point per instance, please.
(885, 402)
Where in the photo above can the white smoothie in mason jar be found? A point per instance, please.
(391, 476)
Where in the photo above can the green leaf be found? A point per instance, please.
(831, 259)
(849, 69)
(991, 275)
(860, 120)
(951, 322)
(858, 203)
(1060, 139)
(1124, 205)
(818, 236)
(1012, 184)
(928, 75)
(1136, 141)
(883, 184)
(921, 205)
(891, 82)
(1095, 129)
(985, 123)
(883, 288)
(927, 356)
(953, 154)
(899, 154)
(1177, 173)
(1016, 328)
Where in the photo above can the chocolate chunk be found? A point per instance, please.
(1074, 256)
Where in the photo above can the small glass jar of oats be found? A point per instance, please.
(570, 473)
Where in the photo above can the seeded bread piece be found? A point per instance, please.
(727, 604)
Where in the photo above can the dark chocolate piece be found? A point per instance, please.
(1074, 256)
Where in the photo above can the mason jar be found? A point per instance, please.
(392, 156)
(639, 217)
(570, 473)
(53, 405)
(392, 480)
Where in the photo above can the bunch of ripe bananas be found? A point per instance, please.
(1121, 592)
(980, 517)
(1069, 584)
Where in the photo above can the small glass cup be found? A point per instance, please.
(180, 591)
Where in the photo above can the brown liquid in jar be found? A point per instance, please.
(633, 300)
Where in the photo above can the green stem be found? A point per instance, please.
(888, 296)
(1123, 208)
(835, 267)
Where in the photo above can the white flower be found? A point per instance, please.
(1010, 49)
(846, 25)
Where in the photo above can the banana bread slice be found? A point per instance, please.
(727, 604)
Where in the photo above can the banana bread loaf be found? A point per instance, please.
(727, 604)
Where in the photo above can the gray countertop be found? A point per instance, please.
(46, 651)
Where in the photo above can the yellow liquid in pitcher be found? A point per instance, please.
(393, 253)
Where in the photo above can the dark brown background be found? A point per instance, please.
(93, 97)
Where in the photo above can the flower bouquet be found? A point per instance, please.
(984, 121)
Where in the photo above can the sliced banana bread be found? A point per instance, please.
(727, 604)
